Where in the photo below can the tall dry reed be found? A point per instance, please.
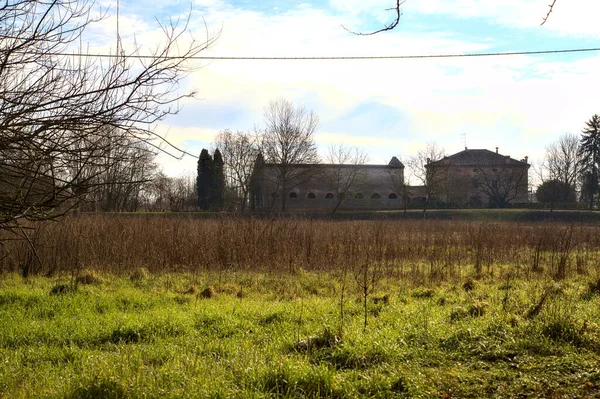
(422, 250)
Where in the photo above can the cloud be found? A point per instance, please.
(569, 17)
(388, 107)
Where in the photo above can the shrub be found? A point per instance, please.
(139, 274)
(61, 289)
(208, 293)
(89, 278)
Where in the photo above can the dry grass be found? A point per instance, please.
(208, 293)
(419, 251)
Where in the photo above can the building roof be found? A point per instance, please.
(478, 158)
(393, 164)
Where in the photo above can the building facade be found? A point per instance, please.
(468, 179)
(327, 186)
(479, 178)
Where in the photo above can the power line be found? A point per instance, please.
(376, 57)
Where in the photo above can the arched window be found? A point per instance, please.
(329, 196)
(311, 196)
(375, 196)
(393, 196)
(293, 195)
(358, 196)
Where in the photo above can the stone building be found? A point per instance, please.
(479, 178)
(327, 186)
(470, 178)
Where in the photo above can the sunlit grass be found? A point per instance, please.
(147, 337)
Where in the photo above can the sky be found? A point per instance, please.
(386, 107)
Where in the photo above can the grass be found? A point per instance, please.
(128, 307)
(153, 336)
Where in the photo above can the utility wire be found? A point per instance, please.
(376, 57)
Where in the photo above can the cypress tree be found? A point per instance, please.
(218, 180)
(204, 181)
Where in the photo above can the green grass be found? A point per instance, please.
(280, 336)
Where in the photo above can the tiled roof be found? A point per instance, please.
(394, 163)
(477, 157)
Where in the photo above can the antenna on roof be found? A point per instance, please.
(463, 137)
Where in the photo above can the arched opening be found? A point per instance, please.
(329, 196)
(311, 196)
(358, 196)
(375, 196)
(393, 196)
(293, 195)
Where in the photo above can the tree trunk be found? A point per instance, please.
(337, 206)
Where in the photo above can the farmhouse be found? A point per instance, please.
(327, 186)
(479, 178)
(470, 178)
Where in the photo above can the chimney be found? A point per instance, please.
(496, 150)
(526, 158)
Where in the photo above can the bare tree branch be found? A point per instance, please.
(390, 26)
(549, 12)
(345, 171)
(288, 144)
(68, 125)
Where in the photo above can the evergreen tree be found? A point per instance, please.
(218, 181)
(204, 181)
(589, 156)
(555, 192)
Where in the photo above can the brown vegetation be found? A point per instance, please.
(419, 251)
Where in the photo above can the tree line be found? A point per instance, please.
(569, 171)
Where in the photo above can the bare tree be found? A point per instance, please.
(240, 150)
(398, 14)
(431, 177)
(503, 184)
(120, 174)
(562, 161)
(287, 143)
(345, 171)
(58, 113)
(171, 193)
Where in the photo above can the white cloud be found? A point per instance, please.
(569, 17)
(519, 103)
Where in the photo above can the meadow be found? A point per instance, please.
(127, 307)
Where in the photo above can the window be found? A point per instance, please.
(358, 196)
(393, 196)
(311, 196)
(274, 194)
(474, 170)
(375, 196)
(293, 195)
(494, 184)
(329, 196)
(494, 170)
(475, 183)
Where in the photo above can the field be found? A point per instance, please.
(171, 307)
